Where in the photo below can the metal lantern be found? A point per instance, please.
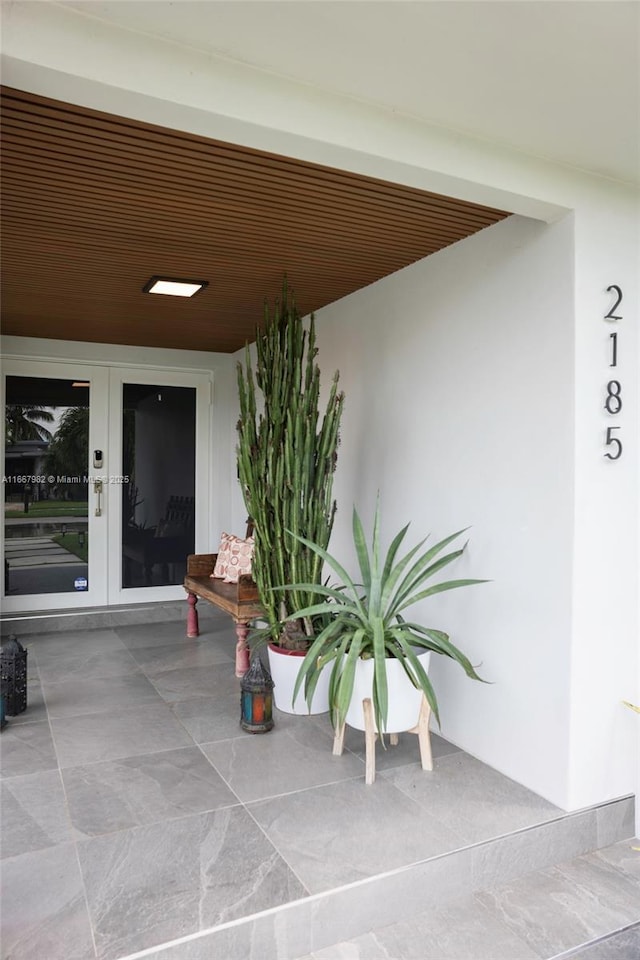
(256, 698)
(13, 669)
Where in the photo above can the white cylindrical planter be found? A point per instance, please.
(404, 698)
(284, 666)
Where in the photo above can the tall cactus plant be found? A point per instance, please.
(286, 461)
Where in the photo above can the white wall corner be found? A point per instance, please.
(605, 737)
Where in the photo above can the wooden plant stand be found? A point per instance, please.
(370, 737)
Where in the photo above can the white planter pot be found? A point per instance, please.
(404, 698)
(285, 666)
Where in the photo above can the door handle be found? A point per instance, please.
(97, 489)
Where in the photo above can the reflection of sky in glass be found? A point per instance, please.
(58, 413)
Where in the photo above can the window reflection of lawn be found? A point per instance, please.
(71, 542)
(49, 508)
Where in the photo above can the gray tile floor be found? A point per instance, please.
(468, 932)
(136, 811)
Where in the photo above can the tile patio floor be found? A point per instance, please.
(136, 811)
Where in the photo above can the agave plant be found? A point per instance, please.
(365, 620)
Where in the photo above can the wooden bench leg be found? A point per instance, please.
(242, 649)
(193, 629)
(370, 742)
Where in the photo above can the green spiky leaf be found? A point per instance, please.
(364, 620)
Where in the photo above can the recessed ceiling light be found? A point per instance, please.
(171, 287)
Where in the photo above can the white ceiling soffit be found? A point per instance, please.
(557, 80)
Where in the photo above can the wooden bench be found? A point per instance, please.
(240, 600)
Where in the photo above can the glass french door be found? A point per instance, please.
(54, 522)
(106, 481)
(159, 435)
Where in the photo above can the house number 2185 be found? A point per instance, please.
(613, 395)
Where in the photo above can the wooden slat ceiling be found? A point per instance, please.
(93, 205)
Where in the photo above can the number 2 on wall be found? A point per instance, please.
(611, 315)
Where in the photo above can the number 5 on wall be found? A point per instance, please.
(613, 440)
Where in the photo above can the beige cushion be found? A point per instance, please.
(234, 557)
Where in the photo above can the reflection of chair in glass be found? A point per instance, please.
(166, 545)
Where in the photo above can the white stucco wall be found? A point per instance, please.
(458, 373)
(605, 646)
(475, 384)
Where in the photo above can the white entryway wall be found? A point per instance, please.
(460, 379)
(458, 373)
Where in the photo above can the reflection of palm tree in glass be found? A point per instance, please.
(25, 422)
(68, 452)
